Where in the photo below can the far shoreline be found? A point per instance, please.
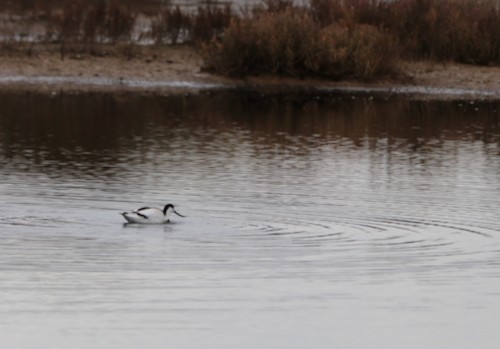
(178, 69)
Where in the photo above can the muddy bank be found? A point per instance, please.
(178, 69)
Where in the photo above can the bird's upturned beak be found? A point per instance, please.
(177, 213)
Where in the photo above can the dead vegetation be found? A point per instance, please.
(334, 39)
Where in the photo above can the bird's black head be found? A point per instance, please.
(170, 206)
(167, 206)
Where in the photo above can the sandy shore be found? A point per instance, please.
(179, 70)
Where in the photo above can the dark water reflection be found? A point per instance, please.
(311, 219)
(112, 116)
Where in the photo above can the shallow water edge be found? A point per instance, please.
(75, 84)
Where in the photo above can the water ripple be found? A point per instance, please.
(371, 216)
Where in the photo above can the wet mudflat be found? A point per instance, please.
(312, 221)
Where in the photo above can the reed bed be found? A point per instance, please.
(327, 38)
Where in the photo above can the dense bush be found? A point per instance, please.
(466, 31)
(356, 38)
(290, 42)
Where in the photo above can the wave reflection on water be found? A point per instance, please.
(310, 220)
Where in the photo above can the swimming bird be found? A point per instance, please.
(151, 215)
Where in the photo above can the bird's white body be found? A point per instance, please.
(150, 215)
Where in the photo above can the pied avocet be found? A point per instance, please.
(151, 215)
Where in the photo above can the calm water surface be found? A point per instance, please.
(312, 222)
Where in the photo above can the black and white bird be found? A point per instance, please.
(151, 215)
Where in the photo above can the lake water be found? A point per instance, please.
(313, 221)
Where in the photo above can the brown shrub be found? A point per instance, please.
(462, 30)
(276, 43)
(362, 52)
(292, 43)
(466, 31)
